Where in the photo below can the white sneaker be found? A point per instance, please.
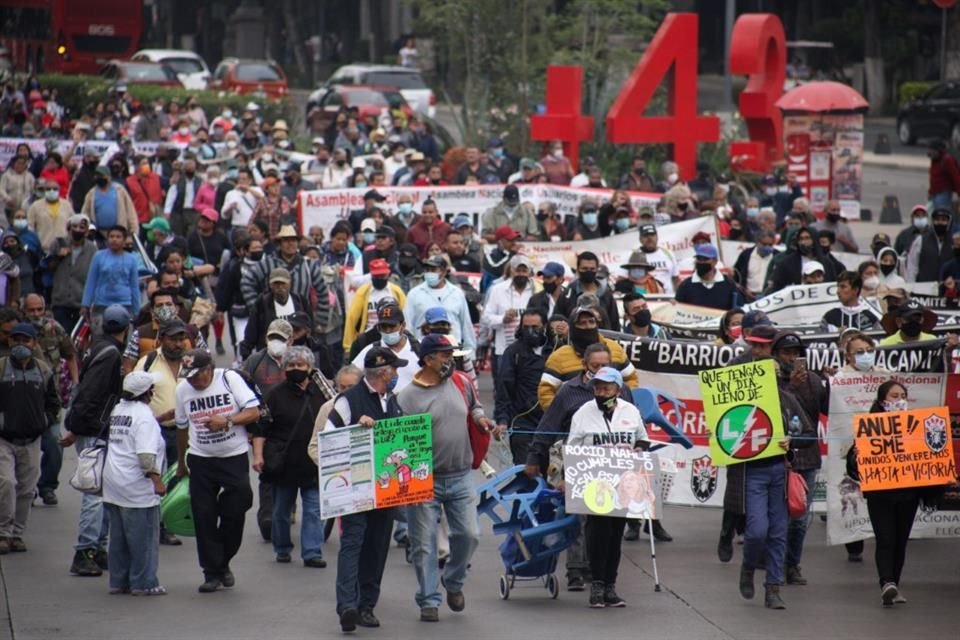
(888, 594)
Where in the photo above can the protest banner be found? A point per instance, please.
(741, 405)
(730, 250)
(389, 465)
(853, 393)
(611, 481)
(105, 149)
(901, 449)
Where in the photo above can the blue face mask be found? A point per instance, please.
(764, 250)
(753, 212)
(391, 339)
(405, 208)
(368, 238)
(622, 224)
(432, 279)
(640, 290)
(637, 274)
(392, 384)
(497, 152)
(590, 219)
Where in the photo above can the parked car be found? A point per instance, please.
(261, 78)
(408, 81)
(130, 72)
(369, 100)
(935, 114)
(190, 68)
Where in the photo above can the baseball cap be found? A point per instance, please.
(436, 343)
(764, 333)
(210, 214)
(299, 320)
(506, 232)
(386, 231)
(373, 194)
(102, 171)
(318, 142)
(707, 251)
(280, 327)
(648, 230)
(527, 163)
(137, 383)
(194, 361)
(494, 141)
(173, 328)
(379, 267)
(115, 318)
(942, 213)
(607, 374)
(435, 315)
(812, 267)
(435, 261)
(279, 274)
(462, 221)
(160, 223)
(382, 357)
(787, 341)
(368, 224)
(910, 307)
(520, 260)
(552, 269)
(579, 311)
(24, 329)
(390, 314)
(755, 319)
(511, 195)
(918, 210)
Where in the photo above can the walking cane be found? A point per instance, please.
(653, 556)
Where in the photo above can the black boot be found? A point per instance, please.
(746, 583)
(659, 533)
(633, 531)
(772, 598)
(725, 548)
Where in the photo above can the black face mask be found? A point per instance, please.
(941, 229)
(172, 354)
(736, 234)
(588, 277)
(887, 269)
(877, 247)
(520, 282)
(533, 337)
(541, 216)
(833, 217)
(805, 249)
(302, 341)
(378, 283)
(549, 287)
(824, 249)
(102, 181)
(583, 338)
(641, 318)
(703, 268)
(255, 255)
(297, 376)
(189, 174)
(911, 329)
(78, 235)
(407, 264)
(606, 404)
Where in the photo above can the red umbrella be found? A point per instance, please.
(822, 97)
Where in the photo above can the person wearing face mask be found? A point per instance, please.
(280, 456)
(919, 221)
(637, 318)
(753, 263)
(279, 302)
(888, 261)
(69, 261)
(506, 301)
(84, 178)
(47, 216)
(637, 179)
(363, 313)
(731, 327)
(588, 265)
(164, 307)
(108, 204)
(498, 162)
(826, 240)
(180, 205)
(396, 159)
(931, 249)
(854, 312)
(708, 287)
(787, 268)
(393, 335)
(556, 166)
(588, 224)
(293, 182)
(546, 300)
(508, 213)
(911, 320)
(435, 291)
(25, 261)
(843, 234)
(145, 190)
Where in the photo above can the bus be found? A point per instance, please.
(69, 36)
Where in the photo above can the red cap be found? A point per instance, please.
(379, 267)
(507, 233)
(210, 214)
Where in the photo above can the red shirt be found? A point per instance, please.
(944, 175)
(423, 236)
(60, 176)
(144, 190)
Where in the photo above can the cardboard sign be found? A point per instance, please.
(363, 469)
(611, 481)
(902, 449)
(742, 409)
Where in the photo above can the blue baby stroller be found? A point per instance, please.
(535, 528)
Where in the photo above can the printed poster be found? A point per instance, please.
(903, 449)
(363, 469)
(741, 405)
(611, 481)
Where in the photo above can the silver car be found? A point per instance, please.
(409, 81)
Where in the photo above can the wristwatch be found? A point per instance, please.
(229, 422)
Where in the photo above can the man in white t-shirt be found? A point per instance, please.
(394, 336)
(214, 406)
(239, 203)
(666, 270)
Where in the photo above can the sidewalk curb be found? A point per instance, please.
(895, 161)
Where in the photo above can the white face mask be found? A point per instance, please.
(558, 153)
(276, 348)
(267, 157)
(871, 282)
(896, 405)
(672, 178)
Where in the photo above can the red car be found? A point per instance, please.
(367, 98)
(262, 78)
(128, 72)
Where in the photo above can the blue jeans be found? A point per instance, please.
(134, 552)
(942, 200)
(94, 522)
(52, 459)
(311, 526)
(454, 495)
(766, 518)
(364, 544)
(797, 529)
(400, 530)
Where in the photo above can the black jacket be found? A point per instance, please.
(722, 295)
(98, 390)
(568, 302)
(934, 253)
(541, 302)
(29, 400)
(787, 269)
(263, 313)
(519, 374)
(288, 430)
(742, 266)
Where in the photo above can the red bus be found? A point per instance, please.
(69, 36)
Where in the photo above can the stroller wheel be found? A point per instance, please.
(504, 588)
(553, 586)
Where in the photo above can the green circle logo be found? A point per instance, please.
(744, 432)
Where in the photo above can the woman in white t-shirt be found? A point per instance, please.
(132, 488)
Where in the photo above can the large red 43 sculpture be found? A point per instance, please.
(757, 49)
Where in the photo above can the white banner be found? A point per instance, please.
(105, 149)
(730, 250)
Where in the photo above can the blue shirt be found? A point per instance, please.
(105, 207)
(112, 279)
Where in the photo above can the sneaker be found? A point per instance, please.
(17, 545)
(725, 549)
(854, 557)
(228, 579)
(596, 595)
(771, 599)
(429, 614)
(633, 531)
(283, 558)
(348, 620)
(49, 498)
(456, 601)
(100, 557)
(367, 619)
(152, 591)
(4, 546)
(610, 597)
(315, 563)
(888, 594)
(575, 583)
(795, 577)
(211, 584)
(746, 583)
(220, 350)
(659, 533)
(85, 563)
(899, 598)
(169, 539)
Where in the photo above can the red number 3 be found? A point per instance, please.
(758, 48)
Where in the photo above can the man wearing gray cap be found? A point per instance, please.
(505, 304)
(279, 302)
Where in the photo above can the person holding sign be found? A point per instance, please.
(608, 421)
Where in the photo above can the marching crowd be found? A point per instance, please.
(179, 254)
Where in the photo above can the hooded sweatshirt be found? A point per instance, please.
(894, 280)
